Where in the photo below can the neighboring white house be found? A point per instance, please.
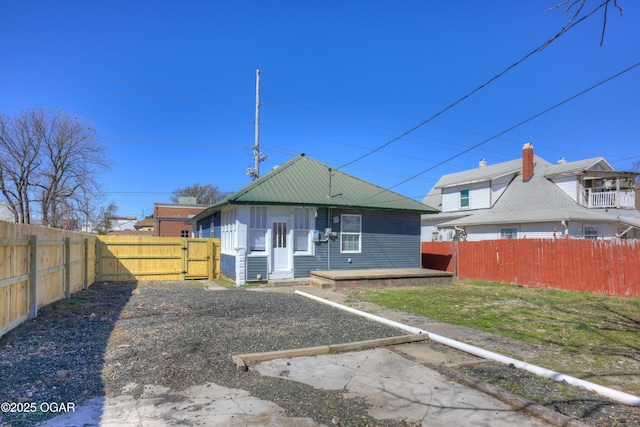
(532, 198)
(121, 223)
(5, 213)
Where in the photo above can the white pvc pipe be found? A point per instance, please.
(619, 396)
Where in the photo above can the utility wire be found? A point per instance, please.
(518, 125)
(565, 29)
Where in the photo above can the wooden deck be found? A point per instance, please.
(378, 278)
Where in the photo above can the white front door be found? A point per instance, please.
(280, 250)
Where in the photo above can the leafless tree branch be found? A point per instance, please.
(576, 18)
(50, 158)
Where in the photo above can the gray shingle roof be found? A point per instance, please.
(485, 173)
(574, 167)
(303, 181)
(538, 200)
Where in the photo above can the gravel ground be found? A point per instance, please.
(116, 337)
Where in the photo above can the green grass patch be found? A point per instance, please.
(606, 328)
(222, 281)
(536, 315)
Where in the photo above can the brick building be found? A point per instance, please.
(168, 219)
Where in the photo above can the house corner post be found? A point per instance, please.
(33, 276)
(241, 265)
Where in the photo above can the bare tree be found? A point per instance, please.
(19, 161)
(102, 222)
(51, 158)
(204, 194)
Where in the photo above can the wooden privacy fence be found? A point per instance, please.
(157, 258)
(609, 267)
(40, 265)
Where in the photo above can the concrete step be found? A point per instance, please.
(301, 281)
(321, 282)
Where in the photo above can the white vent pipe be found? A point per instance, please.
(619, 396)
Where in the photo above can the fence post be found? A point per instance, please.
(85, 265)
(211, 249)
(33, 276)
(184, 249)
(455, 260)
(67, 267)
(98, 260)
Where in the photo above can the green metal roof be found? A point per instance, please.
(306, 182)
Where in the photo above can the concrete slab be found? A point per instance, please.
(203, 405)
(397, 388)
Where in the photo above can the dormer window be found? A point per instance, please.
(464, 198)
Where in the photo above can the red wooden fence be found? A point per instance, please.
(597, 266)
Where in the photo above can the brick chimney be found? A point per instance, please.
(527, 162)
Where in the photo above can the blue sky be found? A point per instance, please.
(170, 85)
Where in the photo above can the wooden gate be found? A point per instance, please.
(121, 258)
(197, 258)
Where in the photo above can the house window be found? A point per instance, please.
(184, 233)
(301, 229)
(258, 229)
(508, 233)
(590, 232)
(464, 198)
(351, 234)
(228, 237)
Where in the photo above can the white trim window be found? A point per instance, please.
(351, 234)
(465, 198)
(228, 232)
(301, 231)
(258, 229)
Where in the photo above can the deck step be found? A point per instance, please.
(321, 282)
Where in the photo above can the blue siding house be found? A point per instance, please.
(304, 216)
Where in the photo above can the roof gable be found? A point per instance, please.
(303, 181)
(578, 167)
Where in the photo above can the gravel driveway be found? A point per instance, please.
(106, 341)
(116, 337)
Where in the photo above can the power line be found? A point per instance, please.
(518, 125)
(565, 29)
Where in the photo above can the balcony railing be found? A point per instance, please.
(611, 199)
